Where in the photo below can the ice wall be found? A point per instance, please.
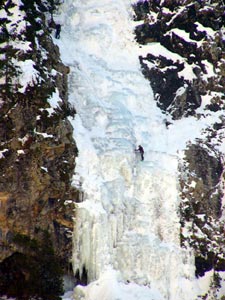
(128, 220)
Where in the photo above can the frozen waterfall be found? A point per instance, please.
(127, 228)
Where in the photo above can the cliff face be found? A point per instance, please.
(193, 31)
(188, 80)
(37, 151)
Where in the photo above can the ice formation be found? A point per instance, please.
(127, 227)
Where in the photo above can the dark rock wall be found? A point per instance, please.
(160, 24)
(37, 150)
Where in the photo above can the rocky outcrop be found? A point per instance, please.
(187, 78)
(37, 150)
(193, 31)
(201, 207)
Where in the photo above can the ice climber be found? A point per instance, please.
(57, 32)
(141, 151)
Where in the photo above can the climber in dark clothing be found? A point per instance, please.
(141, 151)
(57, 31)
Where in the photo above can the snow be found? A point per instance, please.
(127, 229)
(19, 152)
(44, 169)
(24, 139)
(29, 73)
(68, 295)
(44, 134)
(2, 153)
(16, 25)
(111, 287)
(181, 33)
(210, 31)
(16, 18)
(54, 102)
(209, 69)
(158, 50)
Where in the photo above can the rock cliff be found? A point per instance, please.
(37, 151)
